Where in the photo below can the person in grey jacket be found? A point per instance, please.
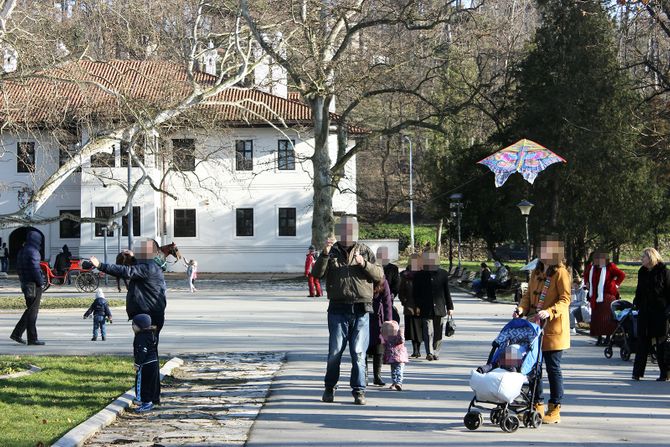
(350, 271)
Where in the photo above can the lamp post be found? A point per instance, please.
(104, 247)
(457, 204)
(525, 206)
(130, 212)
(411, 197)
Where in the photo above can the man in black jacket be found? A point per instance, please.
(146, 289)
(30, 275)
(431, 293)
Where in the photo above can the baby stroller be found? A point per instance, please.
(625, 334)
(503, 385)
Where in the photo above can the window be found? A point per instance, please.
(183, 154)
(103, 159)
(286, 155)
(244, 155)
(103, 211)
(25, 156)
(287, 221)
(138, 150)
(136, 223)
(245, 222)
(70, 229)
(184, 223)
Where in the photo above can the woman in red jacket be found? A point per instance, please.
(602, 279)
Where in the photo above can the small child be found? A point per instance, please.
(395, 352)
(100, 310)
(191, 273)
(312, 281)
(147, 378)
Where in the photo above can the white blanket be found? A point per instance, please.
(497, 386)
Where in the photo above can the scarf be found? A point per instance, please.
(601, 283)
(540, 302)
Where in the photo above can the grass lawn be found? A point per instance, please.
(18, 302)
(40, 408)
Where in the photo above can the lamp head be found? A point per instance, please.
(525, 207)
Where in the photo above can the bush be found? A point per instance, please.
(423, 234)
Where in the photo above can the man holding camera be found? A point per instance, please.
(350, 272)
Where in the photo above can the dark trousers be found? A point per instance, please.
(552, 361)
(28, 321)
(643, 348)
(148, 383)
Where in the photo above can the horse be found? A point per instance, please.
(126, 257)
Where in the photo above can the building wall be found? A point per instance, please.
(215, 190)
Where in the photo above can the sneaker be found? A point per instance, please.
(435, 357)
(429, 357)
(359, 398)
(328, 395)
(145, 407)
(137, 402)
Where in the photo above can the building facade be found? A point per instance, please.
(237, 193)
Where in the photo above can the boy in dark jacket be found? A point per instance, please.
(100, 310)
(30, 275)
(147, 378)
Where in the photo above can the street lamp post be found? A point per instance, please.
(525, 206)
(104, 247)
(411, 197)
(456, 203)
(130, 212)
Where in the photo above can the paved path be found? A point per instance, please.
(602, 405)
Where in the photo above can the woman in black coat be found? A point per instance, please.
(652, 299)
(382, 310)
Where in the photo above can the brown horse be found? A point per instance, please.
(126, 257)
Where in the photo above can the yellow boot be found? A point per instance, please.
(553, 416)
(539, 407)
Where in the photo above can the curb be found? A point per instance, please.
(78, 435)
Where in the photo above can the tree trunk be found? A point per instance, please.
(322, 217)
(438, 239)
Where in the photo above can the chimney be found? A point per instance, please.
(209, 59)
(269, 76)
(10, 59)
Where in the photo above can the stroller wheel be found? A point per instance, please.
(510, 424)
(625, 353)
(497, 415)
(535, 419)
(608, 352)
(472, 420)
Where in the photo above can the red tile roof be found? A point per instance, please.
(83, 90)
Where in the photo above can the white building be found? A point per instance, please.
(240, 201)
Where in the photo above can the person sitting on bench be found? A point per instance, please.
(499, 280)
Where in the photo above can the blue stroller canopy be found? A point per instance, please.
(522, 332)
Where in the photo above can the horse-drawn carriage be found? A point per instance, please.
(85, 280)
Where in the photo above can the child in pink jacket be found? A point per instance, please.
(395, 353)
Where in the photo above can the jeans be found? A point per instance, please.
(552, 361)
(397, 372)
(477, 285)
(352, 328)
(99, 322)
(4, 264)
(28, 321)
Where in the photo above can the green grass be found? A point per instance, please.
(18, 302)
(42, 407)
(12, 366)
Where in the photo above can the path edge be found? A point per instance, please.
(82, 432)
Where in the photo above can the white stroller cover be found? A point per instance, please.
(497, 386)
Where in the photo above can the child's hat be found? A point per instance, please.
(142, 321)
(100, 294)
(311, 247)
(389, 328)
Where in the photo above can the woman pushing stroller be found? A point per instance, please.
(548, 299)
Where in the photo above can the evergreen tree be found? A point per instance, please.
(574, 99)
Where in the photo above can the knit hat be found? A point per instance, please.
(100, 294)
(142, 321)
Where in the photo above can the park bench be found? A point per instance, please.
(467, 278)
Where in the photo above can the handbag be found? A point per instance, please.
(450, 327)
(30, 290)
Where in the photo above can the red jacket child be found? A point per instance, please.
(312, 281)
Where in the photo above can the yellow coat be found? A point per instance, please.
(556, 302)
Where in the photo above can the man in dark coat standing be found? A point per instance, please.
(146, 287)
(431, 293)
(30, 275)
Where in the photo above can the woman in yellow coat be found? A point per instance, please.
(548, 299)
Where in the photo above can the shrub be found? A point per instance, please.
(423, 234)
